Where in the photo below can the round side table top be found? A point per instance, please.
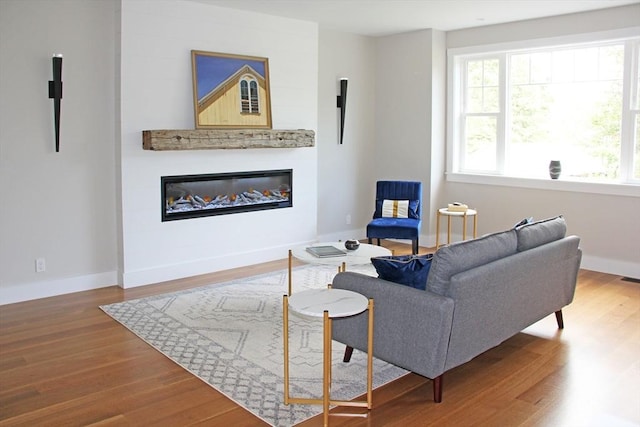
(360, 256)
(446, 211)
(338, 302)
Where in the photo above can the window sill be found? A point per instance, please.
(560, 184)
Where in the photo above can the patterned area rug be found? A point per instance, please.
(230, 336)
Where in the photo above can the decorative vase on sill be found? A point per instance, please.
(554, 169)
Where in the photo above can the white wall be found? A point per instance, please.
(59, 206)
(157, 37)
(345, 172)
(410, 89)
(607, 225)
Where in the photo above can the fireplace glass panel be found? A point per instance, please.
(191, 196)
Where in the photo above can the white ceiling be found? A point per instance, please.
(383, 17)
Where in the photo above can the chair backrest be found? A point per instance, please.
(398, 190)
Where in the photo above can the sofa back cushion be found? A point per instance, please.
(540, 232)
(462, 256)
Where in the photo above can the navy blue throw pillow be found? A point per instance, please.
(410, 270)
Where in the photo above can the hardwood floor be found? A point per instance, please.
(63, 362)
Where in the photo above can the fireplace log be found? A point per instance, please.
(212, 139)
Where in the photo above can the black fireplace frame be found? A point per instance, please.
(198, 213)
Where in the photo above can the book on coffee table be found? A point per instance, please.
(325, 251)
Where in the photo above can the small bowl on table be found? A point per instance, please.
(351, 245)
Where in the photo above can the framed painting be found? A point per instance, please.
(230, 91)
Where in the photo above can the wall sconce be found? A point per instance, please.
(342, 104)
(55, 92)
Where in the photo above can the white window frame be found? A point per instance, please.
(455, 62)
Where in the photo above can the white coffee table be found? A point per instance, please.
(328, 304)
(361, 256)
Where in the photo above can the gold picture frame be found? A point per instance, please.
(230, 91)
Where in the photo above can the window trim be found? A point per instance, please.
(455, 84)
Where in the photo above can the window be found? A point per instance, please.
(249, 95)
(514, 109)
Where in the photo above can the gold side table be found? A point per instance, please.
(449, 214)
(328, 304)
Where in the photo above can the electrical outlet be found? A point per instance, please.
(349, 219)
(40, 265)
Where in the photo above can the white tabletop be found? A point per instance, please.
(446, 211)
(338, 302)
(360, 256)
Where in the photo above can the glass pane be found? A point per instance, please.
(541, 67)
(567, 117)
(482, 86)
(636, 143)
(563, 66)
(474, 73)
(474, 101)
(491, 70)
(637, 100)
(480, 143)
(519, 69)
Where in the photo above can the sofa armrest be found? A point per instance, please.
(411, 326)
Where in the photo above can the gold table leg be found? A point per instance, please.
(285, 335)
(475, 225)
(464, 226)
(290, 261)
(326, 380)
(370, 356)
(437, 229)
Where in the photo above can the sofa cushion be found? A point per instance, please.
(461, 256)
(410, 270)
(540, 232)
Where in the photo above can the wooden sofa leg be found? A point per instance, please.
(415, 246)
(559, 319)
(437, 389)
(347, 354)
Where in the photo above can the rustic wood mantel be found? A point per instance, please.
(212, 139)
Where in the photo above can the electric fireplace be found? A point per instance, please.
(192, 196)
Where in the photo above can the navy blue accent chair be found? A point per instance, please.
(397, 228)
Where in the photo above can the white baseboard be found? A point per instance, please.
(611, 266)
(43, 289)
(163, 273)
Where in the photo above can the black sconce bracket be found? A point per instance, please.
(55, 93)
(342, 104)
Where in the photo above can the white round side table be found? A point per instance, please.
(449, 214)
(329, 304)
(360, 256)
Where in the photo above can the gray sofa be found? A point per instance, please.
(478, 294)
